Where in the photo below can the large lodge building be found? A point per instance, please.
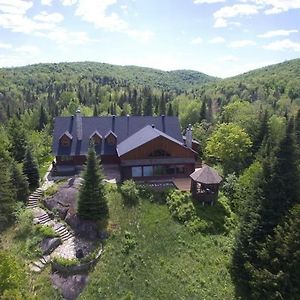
(143, 147)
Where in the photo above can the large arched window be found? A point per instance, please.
(159, 153)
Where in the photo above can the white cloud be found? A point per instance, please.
(208, 1)
(197, 41)
(280, 32)
(217, 40)
(46, 2)
(5, 46)
(220, 23)
(49, 18)
(18, 7)
(241, 43)
(96, 12)
(28, 50)
(275, 6)
(68, 2)
(285, 44)
(228, 12)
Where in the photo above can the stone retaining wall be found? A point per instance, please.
(76, 269)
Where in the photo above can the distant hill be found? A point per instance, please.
(180, 80)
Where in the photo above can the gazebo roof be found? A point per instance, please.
(206, 175)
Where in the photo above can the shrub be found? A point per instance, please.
(130, 192)
(66, 262)
(181, 206)
(46, 231)
(129, 242)
(24, 220)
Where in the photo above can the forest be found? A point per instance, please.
(248, 127)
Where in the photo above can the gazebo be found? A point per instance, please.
(205, 184)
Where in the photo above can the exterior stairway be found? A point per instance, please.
(63, 232)
(34, 198)
(38, 265)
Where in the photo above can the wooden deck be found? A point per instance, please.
(182, 184)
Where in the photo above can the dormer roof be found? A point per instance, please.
(96, 132)
(110, 132)
(68, 134)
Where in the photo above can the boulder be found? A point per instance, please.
(47, 245)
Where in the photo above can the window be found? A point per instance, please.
(159, 170)
(66, 158)
(111, 140)
(147, 171)
(96, 139)
(136, 171)
(179, 169)
(171, 170)
(65, 141)
(159, 153)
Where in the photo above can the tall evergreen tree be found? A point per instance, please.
(170, 110)
(31, 170)
(19, 181)
(92, 203)
(7, 194)
(202, 115)
(43, 118)
(148, 106)
(18, 140)
(95, 112)
(162, 104)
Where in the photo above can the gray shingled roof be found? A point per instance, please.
(146, 134)
(122, 126)
(206, 175)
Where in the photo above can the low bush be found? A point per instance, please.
(129, 242)
(24, 219)
(66, 262)
(130, 192)
(45, 231)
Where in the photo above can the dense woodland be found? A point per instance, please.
(248, 127)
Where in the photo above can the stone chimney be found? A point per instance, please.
(163, 119)
(189, 136)
(78, 122)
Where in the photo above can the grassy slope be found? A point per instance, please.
(38, 286)
(167, 262)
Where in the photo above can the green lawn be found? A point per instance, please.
(151, 256)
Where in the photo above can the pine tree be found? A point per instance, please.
(43, 118)
(17, 137)
(202, 115)
(92, 202)
(19, 181)
(7, 194)
(297, 128)
(95, 112)
(148, 106)
(162, 105)
(30, 169)
(170, 110)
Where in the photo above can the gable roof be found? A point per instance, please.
(68, 134)
(96, 133)
(122, 126)
(206, 175)
(146, 134)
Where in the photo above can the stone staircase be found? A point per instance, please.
(34, 198)
(43, 219)
(63, 232)
(38, 265)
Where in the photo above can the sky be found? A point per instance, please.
(218, 37)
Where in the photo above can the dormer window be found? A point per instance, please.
(65, 139)
(96, 138)
(111, 138)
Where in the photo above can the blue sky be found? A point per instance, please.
(218, 37)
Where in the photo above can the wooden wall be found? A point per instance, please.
(162, 143)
